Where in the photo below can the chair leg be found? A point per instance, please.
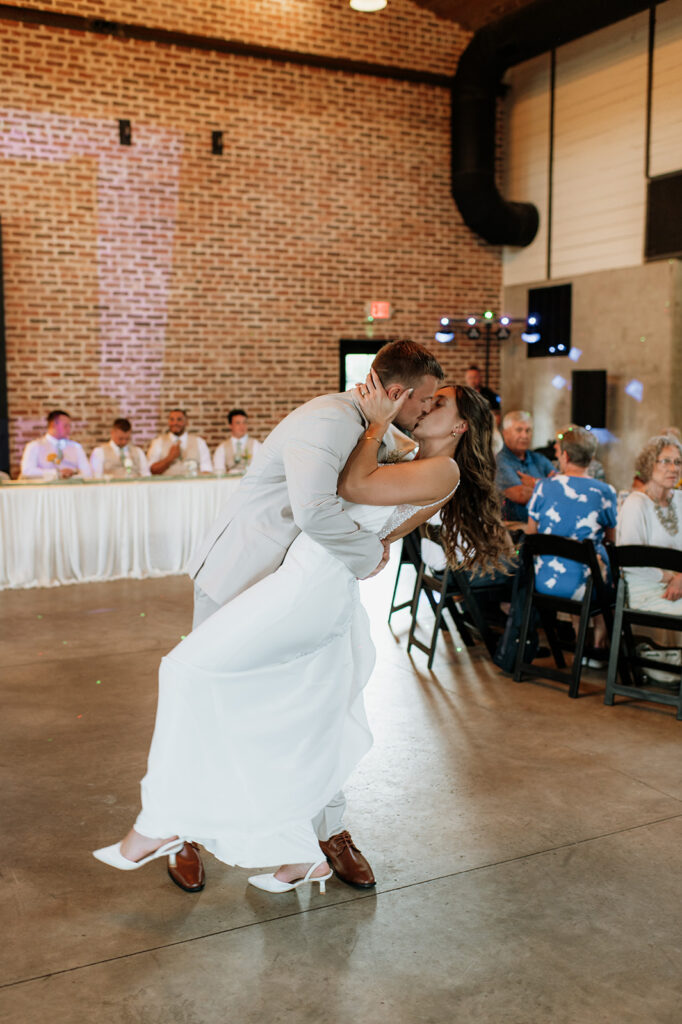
(577, 667)
(415, 606)
(525, 625)
(548, 620)
(474, 609)
(434, 635)
(395, 590)
(615, 656)
(461, 625)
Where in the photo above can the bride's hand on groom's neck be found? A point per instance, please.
(378, 406)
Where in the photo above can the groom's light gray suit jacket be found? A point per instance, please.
(290, 487)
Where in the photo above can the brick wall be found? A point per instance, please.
(138, 278)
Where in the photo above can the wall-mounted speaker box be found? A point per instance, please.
(553, 307)
(588, 398)
(664, 217)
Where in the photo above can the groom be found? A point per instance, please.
(291, 487)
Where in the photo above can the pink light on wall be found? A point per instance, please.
(132, 208)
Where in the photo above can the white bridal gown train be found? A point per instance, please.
(261, 717)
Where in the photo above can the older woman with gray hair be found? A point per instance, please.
(653, 516)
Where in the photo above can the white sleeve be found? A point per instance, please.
(97, 462)
(632, 528)
(219, 459)
(29, 460)
(154, 452)
(83, 464)
(632, 525)
(144, 465)
(312, 470)
(205, 464)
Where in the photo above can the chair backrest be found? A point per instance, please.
(643, 556)
(581, 551)
(411, 551)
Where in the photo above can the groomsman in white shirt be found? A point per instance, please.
(178, 453)
(55, 455)
(119, 458)
(239, 449)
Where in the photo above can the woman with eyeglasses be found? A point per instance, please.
(653, 516)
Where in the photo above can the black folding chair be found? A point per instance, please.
(624, 661)
(410, 554)
(547, 606)
(451, 590)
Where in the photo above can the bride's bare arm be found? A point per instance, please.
(424, 482)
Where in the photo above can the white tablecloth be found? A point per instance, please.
(84, 532)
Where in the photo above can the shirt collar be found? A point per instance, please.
(176, 439)
(515, 456)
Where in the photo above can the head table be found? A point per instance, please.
(89, 531)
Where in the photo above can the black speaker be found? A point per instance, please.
(588, 398)
(552, 307)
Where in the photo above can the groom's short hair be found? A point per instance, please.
(405, 362)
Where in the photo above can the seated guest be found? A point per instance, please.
(472, 379)
(239, 448)
(575, 505)
(518, 468)
(178, 453)
(119, 458)
(55, 454)
(595, 468)
(653, 516)
(488, 589)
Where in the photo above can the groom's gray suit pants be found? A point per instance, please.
(329, 822)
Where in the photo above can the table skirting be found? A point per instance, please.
(79, 532)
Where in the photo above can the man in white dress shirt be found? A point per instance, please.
(178, 453)
(55, 455)
(119, 458)
(239, 449)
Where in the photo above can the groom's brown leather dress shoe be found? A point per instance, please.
(348, 864)
(188, 871)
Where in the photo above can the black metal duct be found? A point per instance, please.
(537, 28)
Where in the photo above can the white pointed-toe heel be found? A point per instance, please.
(271, 884)
(112, 855)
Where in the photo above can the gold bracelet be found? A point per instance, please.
(370, 437)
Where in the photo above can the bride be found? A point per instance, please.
(260, 717)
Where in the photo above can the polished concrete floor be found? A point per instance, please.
(527, 847)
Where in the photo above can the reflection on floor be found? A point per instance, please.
(527, 846)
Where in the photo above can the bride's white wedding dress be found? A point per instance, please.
(261, 718)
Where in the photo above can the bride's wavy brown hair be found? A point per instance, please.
(472, 533)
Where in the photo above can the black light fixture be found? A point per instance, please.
(487, 324)
(217, 143)
(125, 133)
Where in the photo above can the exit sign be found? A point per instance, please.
(380, 310)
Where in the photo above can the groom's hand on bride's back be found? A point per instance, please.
(384, 559)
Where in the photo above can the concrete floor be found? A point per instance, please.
(527, 847)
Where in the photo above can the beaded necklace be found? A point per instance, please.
(667, 516)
